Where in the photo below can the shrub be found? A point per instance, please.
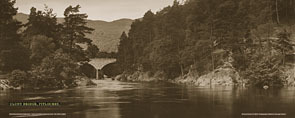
(264, 72)
(56, 71)
(18, 78)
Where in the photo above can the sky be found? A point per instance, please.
(107, 10)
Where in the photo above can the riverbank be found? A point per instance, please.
(225, 75)
(218, 77)
(81, 81)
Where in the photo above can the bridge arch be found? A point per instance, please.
(99, 63)
(112, 69)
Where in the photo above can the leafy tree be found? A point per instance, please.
(57, 70)
(19, 78)
(41, 46)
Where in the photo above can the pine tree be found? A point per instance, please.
(42, 23)
(12, 54)
(75, 28)
(8, 26)
(125, 57)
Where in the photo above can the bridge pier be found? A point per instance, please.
(97, 73)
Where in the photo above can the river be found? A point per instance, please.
(114, 99)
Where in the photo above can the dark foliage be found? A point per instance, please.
(203, 33)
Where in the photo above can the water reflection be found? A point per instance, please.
(111, 99)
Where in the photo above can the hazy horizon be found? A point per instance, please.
(109, 10)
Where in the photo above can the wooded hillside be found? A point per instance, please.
(203, 34)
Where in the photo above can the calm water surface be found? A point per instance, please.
(112, 99)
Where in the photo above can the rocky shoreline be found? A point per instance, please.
(223, 76)
(4, 83)
(219, 77)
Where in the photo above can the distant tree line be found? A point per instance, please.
(202, 34)
(43, 53)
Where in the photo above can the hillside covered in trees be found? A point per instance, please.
(254, 36)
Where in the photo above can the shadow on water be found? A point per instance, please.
(111, 99)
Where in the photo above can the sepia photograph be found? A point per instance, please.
(147, 58)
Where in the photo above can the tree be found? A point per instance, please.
(92, 50)
(12, 54)
(57, 70)
(8, 26)
(277, 13)
(75, 28)
(41, 46)
(125, 57)
(42, 23)
(19, 78)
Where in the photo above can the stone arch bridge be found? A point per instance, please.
(100, 63)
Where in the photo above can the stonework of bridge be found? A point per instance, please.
(99, 63)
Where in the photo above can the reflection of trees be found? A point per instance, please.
(212, 102)
(173, 101)
(254, 100)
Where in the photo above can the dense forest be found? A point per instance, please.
(43, 53)
(202, 35)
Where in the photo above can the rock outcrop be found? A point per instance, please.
(222, 76)
(225, 75)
